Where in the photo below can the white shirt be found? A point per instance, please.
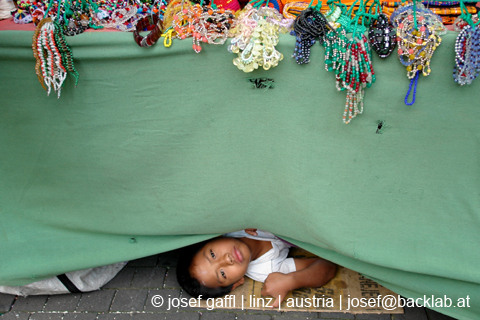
(275, 260)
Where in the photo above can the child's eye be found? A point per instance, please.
(212, 254)
(223, 274)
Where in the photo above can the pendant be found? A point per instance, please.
(382, 36)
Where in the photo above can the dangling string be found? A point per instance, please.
(415, 14)
(339, 3)
(410, 89)
(361, 14)
(354, 21)
(466, 16)
(373, 15)
(48, 9)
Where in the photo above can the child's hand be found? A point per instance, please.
(277, 285)
(252, 232)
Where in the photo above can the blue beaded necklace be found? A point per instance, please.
(467, 51)
(307, 27)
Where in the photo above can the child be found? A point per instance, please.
(214, 268)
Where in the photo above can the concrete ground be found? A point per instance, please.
(128, 297)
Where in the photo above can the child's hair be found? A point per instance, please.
(189, 283)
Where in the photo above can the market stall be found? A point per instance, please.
(157, 148)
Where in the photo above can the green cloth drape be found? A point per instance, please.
(161, 147)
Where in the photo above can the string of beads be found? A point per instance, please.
(467, 55)
(256, 38)
(351, 60)
(308, 26)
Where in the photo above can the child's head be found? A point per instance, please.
(213, 268)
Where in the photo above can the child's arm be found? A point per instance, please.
(313, 272)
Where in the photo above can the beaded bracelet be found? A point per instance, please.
(153, 36)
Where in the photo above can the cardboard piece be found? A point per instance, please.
(347, 292)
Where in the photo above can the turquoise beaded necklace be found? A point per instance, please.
(351, 61)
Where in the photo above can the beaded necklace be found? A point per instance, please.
(53, 56)
(308, 26)
(122, 18)
(256, 37)
(418, 36)
(351, 60)
(49, 68)
(382, 36)
(467, 51)
(204, 24)
(214, 25)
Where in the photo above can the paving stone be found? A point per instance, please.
(150, 261)
(62, 302)
(273, 312)
(213, 315)
(296, 315)
(369, 316)
(169, 258)
(114, 316)
(291, 317)
(149, 316)
(129, 300)
(46, 316)
(413, 313)
(15, 316)
(183, 316)
(336, 315)
(149, 277)
(434, 315)
(171, 278)
(6, 301)
(98, 301)
(79, 316)
(30, 303)
(163, 297)
(254, 317)
(122, 280)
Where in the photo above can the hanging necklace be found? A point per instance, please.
(467, 49)
(256, 37)
(418, 36)
(382, 36)
(53, 56)
(308, 26)
(351, 60)
(49, 67)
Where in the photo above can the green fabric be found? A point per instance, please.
(157, 148)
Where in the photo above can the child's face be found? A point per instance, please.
(221, 262)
